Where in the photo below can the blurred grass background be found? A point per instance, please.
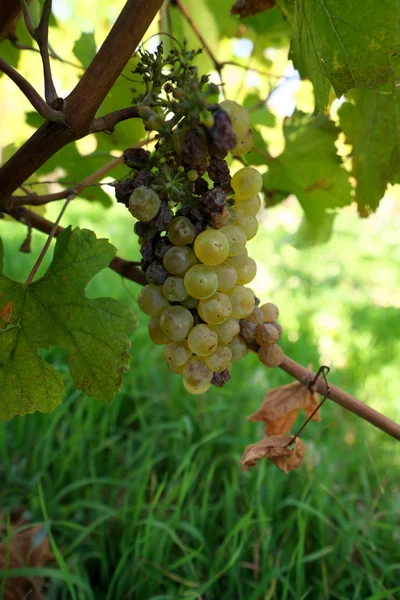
(146, 499)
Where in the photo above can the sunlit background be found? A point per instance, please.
(177, 455)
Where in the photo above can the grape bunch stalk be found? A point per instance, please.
(193, 223)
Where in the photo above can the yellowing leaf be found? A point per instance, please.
(282, 405)
(275, 449)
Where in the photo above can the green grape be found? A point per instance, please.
(176, 322)
(239, 260)
(196, 389)
(249, 224)
(151, 301)
(220, 359)
(216, 309)
(227, 277)
(196, 373)
(227, 331)
(144, 203)
(177, 354)
(174, 290)
(201, 281)
(245, 145)
(247, 271)
(238, 348)
(242, 300)
(239, 117)
(202, 340)
(190, 302)
(178, 259)
(211, 247)
(156, 334)
(246, 183)
(236, 239)
(181, 231)
(270, 312)
(248, 207)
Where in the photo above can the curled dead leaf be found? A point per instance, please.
(282, 405)
(246, 8)
(23, 548)
(275, 449)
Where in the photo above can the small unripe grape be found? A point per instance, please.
(177, 354)
(249, 224)
(151, 301)
(196, 373)
(227, 331)
(202, 340)
(266, 334)
(245, 145)
(227, 277)
(216, 309)
(201, 281)
(196, 389)
(238, 348)
(246, 183)
(144, 203)
(248, 207)
(174, 290)
(220, 359)
(236, 239)
(181, 231)
(192, 175)
(176, 322)
(271, 356)
(247, 271)
(178, 259)
(209, 121)
(243, 301)
(211, 247)
(156, 334)
(239, 117)
(270, 312)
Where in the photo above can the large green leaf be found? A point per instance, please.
(309, 167)
(343, 44)
(371, 124)
(54, 311)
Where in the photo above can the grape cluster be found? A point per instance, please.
(196, 298)
(193, 223)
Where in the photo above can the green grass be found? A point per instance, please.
(145, 498)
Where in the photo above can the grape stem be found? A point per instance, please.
(343, 398)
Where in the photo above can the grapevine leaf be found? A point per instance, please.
(309, 167)
(275, 449)
(282, 405)
(371, 124)
(85, 48)
(54, 311)
(343, 44)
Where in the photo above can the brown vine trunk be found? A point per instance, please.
(85, 99)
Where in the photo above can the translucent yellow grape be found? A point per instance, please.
(246, 183)
(156, 334)
(236, 239)
(176, 322)
(181, 231)
(177, 354)
(245, 145)
(201, 281)
(151, 300)
(216, 309)
(144, 203)
(249, 224)
(242, 300)
(174, 290)
(220, 359)
(227, 277)
(227, 331)
(239, 117)
(247, 271)
(196, 373)
(178, 259)
(196, 389)
(211, 247)
(248, 207)
(202, 340)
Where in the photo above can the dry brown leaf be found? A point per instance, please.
(282, 405)
(275, 449)
(246, 8)
(27, 548)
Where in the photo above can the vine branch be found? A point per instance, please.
(109, 121)
(29, 91)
